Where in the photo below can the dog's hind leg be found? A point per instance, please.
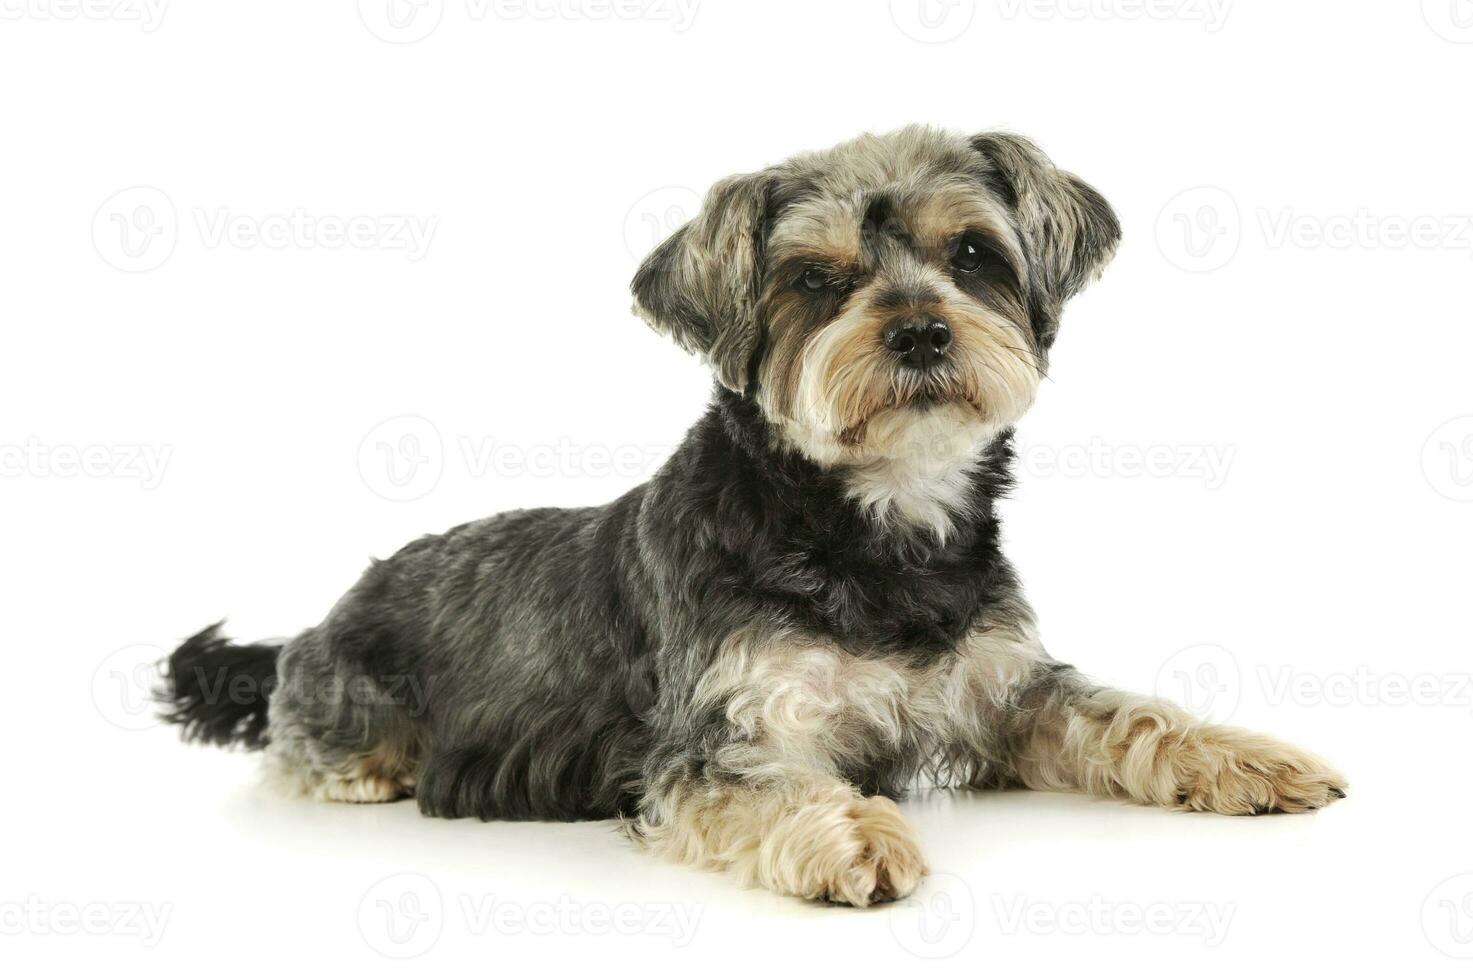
(314, 771)
(335, 734)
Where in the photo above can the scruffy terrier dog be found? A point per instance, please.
(806, 611)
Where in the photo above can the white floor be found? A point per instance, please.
(184, 866)
(1253, 462)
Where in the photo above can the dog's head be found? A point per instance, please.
(892, 279)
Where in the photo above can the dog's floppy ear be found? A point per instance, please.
(700, 286)
(1069, 229)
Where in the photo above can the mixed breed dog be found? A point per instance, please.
(807, 610)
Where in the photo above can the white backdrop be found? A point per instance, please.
(288, 284)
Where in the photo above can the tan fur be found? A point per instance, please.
(832, 388)
(785, 819)
(828, 396)
(820, 229)
(947, 208)
(998, 711)
(1147, 750)
(380, 776)
(797, 699)
(796, 833)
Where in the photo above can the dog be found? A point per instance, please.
(806, 612)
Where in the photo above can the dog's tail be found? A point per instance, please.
(218, 690)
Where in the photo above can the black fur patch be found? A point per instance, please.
(218, 690)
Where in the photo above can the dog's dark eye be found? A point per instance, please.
(813, 279)
(968, 254)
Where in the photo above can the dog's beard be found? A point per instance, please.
(851, 390)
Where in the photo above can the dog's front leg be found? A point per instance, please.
(1064, 733)
(785, 826)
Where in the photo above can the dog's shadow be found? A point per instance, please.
(958, 827)
(1024, 817)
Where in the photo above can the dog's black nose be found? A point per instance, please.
(921, 341)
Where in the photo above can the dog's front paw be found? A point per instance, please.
(1227, 770)
(858, 855)
(889, 864)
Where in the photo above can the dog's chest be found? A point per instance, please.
(895, 590)
(809, 699)
(908, 598)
